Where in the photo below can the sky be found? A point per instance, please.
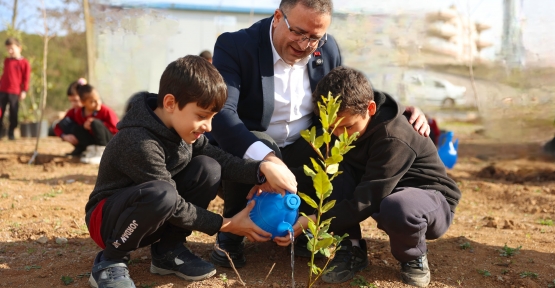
(537, 15)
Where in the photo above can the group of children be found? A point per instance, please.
(88, 124)
(158, 173)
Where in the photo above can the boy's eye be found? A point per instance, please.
(350, 127)
(202, 117)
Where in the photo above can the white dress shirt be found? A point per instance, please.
(293, 106)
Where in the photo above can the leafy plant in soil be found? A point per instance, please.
(327, 164)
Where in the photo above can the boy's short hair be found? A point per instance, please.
(206, 54)
(12, 41)
(83, 90)
(355, 90)
(72, 88)
(193, 79)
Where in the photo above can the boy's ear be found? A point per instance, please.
(169, 102)
(372, 108)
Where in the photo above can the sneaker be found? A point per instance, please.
(348, 260)
(233, 245)
(181, 262)
(108, 274)
(92, 154)
(416, 272)
(301, 249)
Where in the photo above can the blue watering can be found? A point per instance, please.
(274, 213)
(447, 149)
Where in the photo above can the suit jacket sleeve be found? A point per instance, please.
(229, 131)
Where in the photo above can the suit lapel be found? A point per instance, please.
(266, 62)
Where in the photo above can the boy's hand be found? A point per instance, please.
(298, 228)
(418, 121)
(279, 178)
(70, 138)
(23, 95)
(242, 225)
(87, 124)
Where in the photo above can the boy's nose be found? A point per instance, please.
(208, 126)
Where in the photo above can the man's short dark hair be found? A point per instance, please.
(206, 54)
(12, 41)
(322, 6)
(355, 90)
(193, 79)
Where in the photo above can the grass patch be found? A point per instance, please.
(546, 222)
(529, 274)
(361, 282)
(66, 280)
(465, 246)
(507, 251)
(484, 273)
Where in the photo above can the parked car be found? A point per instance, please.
(427, 90)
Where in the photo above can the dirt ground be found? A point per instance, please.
(508, 199)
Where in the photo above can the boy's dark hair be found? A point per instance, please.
(322, 6)
(72, 88)
(193, 79)
(355, 90)
(12, 41)
(83, 90)
(206, 54)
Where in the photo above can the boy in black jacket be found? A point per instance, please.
(393, 175)
(158, 174)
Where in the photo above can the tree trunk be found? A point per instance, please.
(14, 15)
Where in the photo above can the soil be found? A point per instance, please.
(508, 200)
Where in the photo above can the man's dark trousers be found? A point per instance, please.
(147, 207)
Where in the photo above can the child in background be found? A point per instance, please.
(13, 85)
(73, 98)
(90, 127)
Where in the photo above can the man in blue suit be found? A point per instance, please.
(271, 69)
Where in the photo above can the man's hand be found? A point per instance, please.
(279, 178)
(87, 124)
(23, 95)
(298, 228)
(242, 225)
(418, 121)
(70, 138)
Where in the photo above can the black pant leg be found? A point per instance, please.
(84, 137)
(198, 184)
(410, 216)
(4, 99)
(100, 133)
(67, 125)
(14, 110)
(132, 218)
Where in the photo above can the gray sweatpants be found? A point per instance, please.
(410, 216)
